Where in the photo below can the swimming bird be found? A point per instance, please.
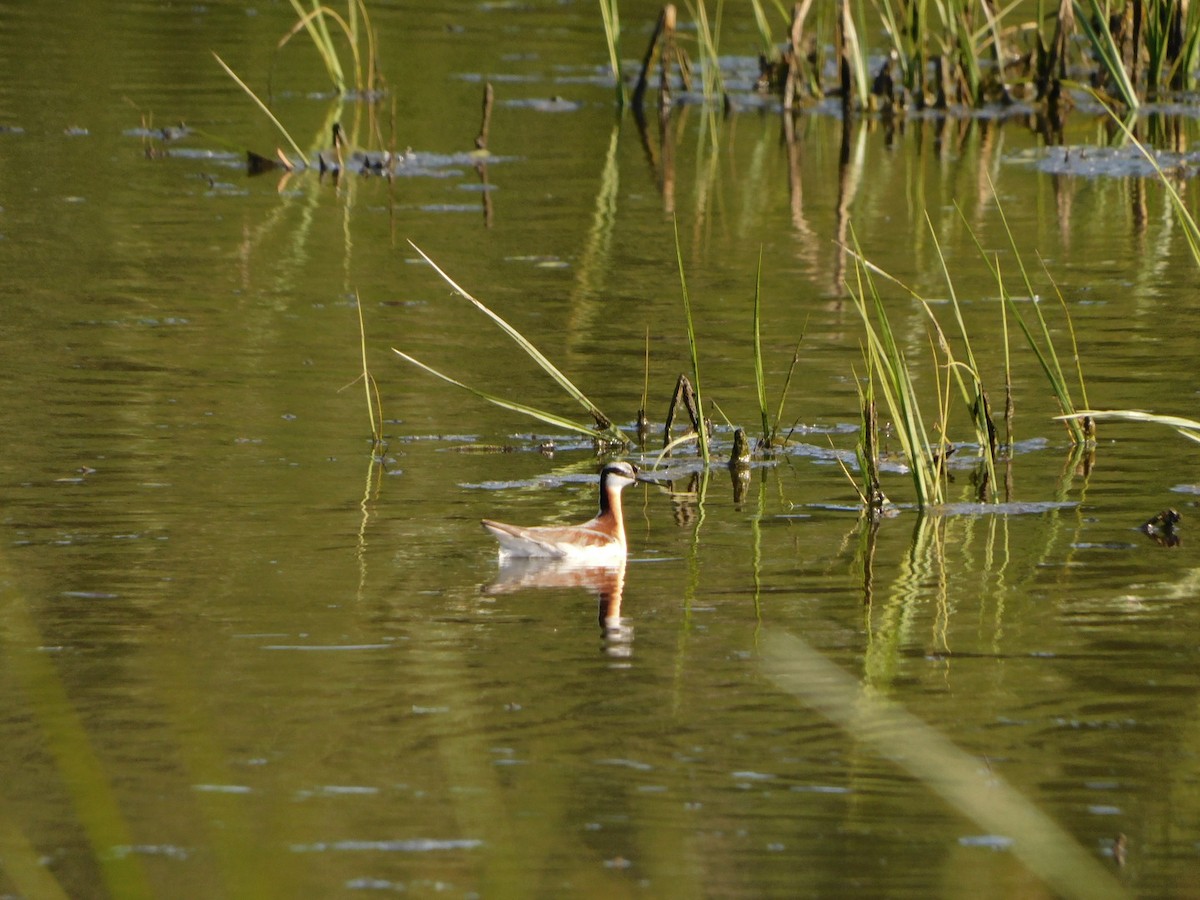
(599, 541)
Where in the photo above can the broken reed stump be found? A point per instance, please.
(685, 394)
(873, 494)
(489, 96)
(663, 48)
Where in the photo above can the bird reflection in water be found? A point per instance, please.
(606, 582)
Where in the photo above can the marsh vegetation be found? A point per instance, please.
(877, 291)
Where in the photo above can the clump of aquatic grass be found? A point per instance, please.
(945, 52)
(1097, 28)
(360, 36)
(965, 372)
(603, 428)
(888, 368)
(866, 451)
(355, 26)
(1158, 37)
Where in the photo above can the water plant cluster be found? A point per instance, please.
(888, 373)
(892, 55)
(938, 53)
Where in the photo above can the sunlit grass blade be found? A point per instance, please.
(314, 23)
(885, 357)
(787, 383)
(975, 396)
(511, 405)
(374, 409)
(714, 81)
(1095, 27)
(603, 422)
(701, 430)
(765, 34)
(612, 36)
(270, 115)
(759, 379)
(1189, 428)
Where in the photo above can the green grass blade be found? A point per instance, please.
(512, 406)
(787, 382)
(759, 378)
(1136, 415)
(895, 384)
(702, 431)
(604, 422)
(314, 24)
(612, 35)
(263, 107)
(373, 411)
(1101, 40)
(1048, 359)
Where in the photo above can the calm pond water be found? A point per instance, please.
(242, 658)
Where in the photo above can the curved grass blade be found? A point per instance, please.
(1189, 428)
(603, 422)
(511, 405)
(314, 23)
(1102, 42)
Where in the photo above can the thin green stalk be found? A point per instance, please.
(765, 35)
(1062, 301)
(975, 396)
(263, 107)
(1008, 401)
(603, 422)
(314, 23)
(701, 430)
(374, 409)
(1094, 22)
(759, 379)
(511, 405)
(787, 382)
(899, 394)
(714, 82)
(612, 35)
(1048, 359)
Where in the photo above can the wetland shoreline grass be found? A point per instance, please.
(938, 54)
